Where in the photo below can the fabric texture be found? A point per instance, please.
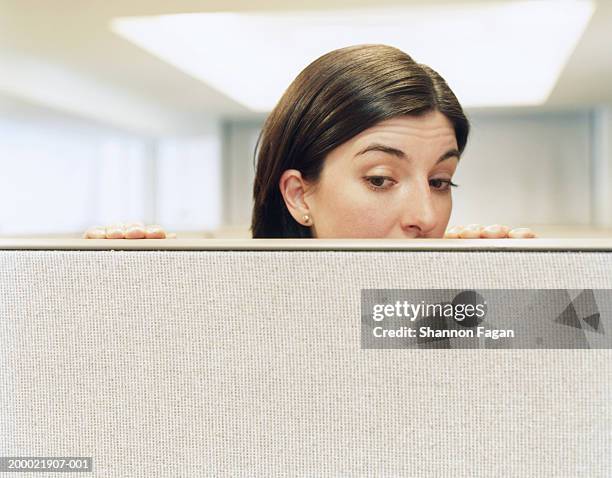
(249, 364)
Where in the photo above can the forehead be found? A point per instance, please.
(431, 128)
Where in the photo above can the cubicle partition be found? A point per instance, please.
(245, 358)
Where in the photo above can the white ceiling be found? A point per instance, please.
(61, 54)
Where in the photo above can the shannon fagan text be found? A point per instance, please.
(409, 332)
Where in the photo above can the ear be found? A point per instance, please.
(294, 188)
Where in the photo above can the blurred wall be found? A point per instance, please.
(61, 174)
(526, 168)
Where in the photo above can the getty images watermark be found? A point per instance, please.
(485, 318)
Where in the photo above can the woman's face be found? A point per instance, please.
(389, 181)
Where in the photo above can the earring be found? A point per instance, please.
(306, 218)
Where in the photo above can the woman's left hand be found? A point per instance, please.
(136, 230)
(494, 231)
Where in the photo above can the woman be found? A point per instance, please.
(363, 144)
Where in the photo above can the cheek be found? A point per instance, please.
(352, 210)
(443, 211)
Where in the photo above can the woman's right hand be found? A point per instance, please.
(494, 231)
(136, 230)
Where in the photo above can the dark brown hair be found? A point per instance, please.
(336, 97)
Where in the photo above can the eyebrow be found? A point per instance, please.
(401, 155)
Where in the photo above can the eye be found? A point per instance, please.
(377, 183)
(442, 184)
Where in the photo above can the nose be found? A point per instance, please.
(418, 216)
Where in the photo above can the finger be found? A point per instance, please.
(453, 232)
(135, 232)
(115, 231)
(521, 233)
(494, 231)
(95, 232)
(155, 232)
(471, 231)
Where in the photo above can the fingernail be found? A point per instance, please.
(115, 232)
(521, 233)
(492, 232)
(155, 232)
(96, 232)
(471, 231)
(453, 232)
(135, 232)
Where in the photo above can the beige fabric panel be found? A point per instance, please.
(248, 363)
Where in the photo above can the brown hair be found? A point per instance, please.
(336, 97)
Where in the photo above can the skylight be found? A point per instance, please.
(491, 54)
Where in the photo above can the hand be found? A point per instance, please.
(136, 230)
(495, 231)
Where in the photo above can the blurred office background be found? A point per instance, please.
(126, 111)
